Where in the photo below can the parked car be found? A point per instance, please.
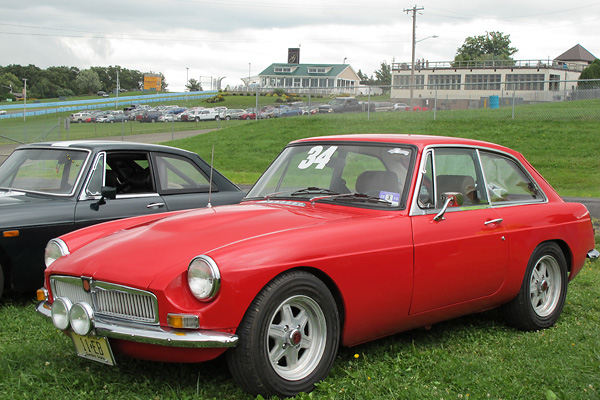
(2, 112)
(401, 107)
(344, 239)
(80, 117)
(286, 111)
(341, 105)
(118, 117)
(249, 114)
(234, 113)
(149, 116)
(47, 189)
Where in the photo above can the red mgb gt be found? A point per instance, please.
(344, 239)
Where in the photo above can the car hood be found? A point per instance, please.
(164, 246)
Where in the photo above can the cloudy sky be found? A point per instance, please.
(201, 39)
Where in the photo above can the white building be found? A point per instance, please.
(457, 85)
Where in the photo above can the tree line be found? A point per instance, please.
(56, 82)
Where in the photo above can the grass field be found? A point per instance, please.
(474, 357)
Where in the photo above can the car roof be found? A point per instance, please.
(421, 141)
(98, 145)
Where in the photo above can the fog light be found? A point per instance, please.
(81, 317)
(60, 313)
(183, 321)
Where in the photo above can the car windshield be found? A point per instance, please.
(49, 171)
(348, 173)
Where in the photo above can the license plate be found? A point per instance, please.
(94, 348)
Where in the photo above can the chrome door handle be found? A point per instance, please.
(494, 221)
(155, 205)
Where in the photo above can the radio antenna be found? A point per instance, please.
(212, 159)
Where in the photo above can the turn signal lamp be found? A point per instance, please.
(182, 321)
(42, 294)
(10, 234)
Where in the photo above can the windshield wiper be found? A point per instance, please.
(361, 197)
(314, 190)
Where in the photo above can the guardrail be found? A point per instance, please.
(91, 104)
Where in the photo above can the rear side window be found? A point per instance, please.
(507, 181)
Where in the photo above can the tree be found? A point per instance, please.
(88, 82)
(491, 46)
(384, 74)
(9, 84)
(592, 71)
(364, 79)
(193, 85)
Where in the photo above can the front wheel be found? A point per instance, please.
(543, 292)
(288, 338)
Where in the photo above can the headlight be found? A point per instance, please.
(55, 249)
(204, 278)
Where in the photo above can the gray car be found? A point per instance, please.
(48, 189)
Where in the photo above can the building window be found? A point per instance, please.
(444, 82)
(554, 83)
(403, 81)
(283, 69)
(482, 82)
(317, 70)
(525, 81)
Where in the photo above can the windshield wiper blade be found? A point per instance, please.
(354, 197)
(314, 190)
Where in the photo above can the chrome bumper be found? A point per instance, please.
(593, 254)
(155, 334)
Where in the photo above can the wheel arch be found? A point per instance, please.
(566, 250)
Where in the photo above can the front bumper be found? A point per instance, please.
(154, 334)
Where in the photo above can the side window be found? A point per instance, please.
(426, 197)
(506, 180)
(129, 172)
(97, 180)
(180, 174)
(452, 170)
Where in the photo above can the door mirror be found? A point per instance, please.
(107, 192)
(451, 199)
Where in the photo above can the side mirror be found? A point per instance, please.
(107, 192)
(453, 199)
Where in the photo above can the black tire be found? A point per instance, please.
(217, 118)
(288, 338)
(543, 292)
(247, 117)
(228, 118)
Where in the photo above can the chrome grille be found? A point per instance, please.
(108, 299)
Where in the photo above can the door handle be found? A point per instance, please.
(155, 205)
(494, 221)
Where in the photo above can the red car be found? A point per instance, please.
(344, 239)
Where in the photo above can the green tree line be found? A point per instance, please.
(55, 82)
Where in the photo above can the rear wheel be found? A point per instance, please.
(288, 338)
(247, 117)
(543, 291)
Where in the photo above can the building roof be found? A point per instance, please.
(316, 70)
(577, 53)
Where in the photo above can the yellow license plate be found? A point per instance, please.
(94, 348)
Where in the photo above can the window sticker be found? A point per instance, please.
(393, 198)
(398, 151)
(317, 156)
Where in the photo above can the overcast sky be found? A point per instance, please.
(201, 39)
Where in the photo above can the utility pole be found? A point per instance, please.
(414, 43)
(25, 98)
